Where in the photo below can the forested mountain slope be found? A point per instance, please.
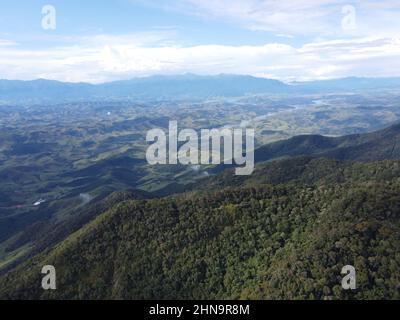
(303, 170)
(45, 234)
(263, 242)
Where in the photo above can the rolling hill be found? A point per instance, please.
(379, 145)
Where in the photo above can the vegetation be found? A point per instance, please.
(260, 242)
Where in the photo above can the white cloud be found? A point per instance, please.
(318, 18)
(99, 62)
(4, 43)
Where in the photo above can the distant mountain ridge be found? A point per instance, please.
(188, 86)
(379, 145)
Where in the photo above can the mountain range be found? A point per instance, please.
(186, 86)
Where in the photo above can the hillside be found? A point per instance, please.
(261, 242)
(379, 145)
(303, 171)
(65, 220)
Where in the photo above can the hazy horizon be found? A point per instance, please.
(204, 76)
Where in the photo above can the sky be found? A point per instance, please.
(102, 40)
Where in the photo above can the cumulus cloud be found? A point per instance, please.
(99, 62)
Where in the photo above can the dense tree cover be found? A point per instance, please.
(288, 240)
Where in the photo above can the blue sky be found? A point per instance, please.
(103, 40)
(21, 20)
